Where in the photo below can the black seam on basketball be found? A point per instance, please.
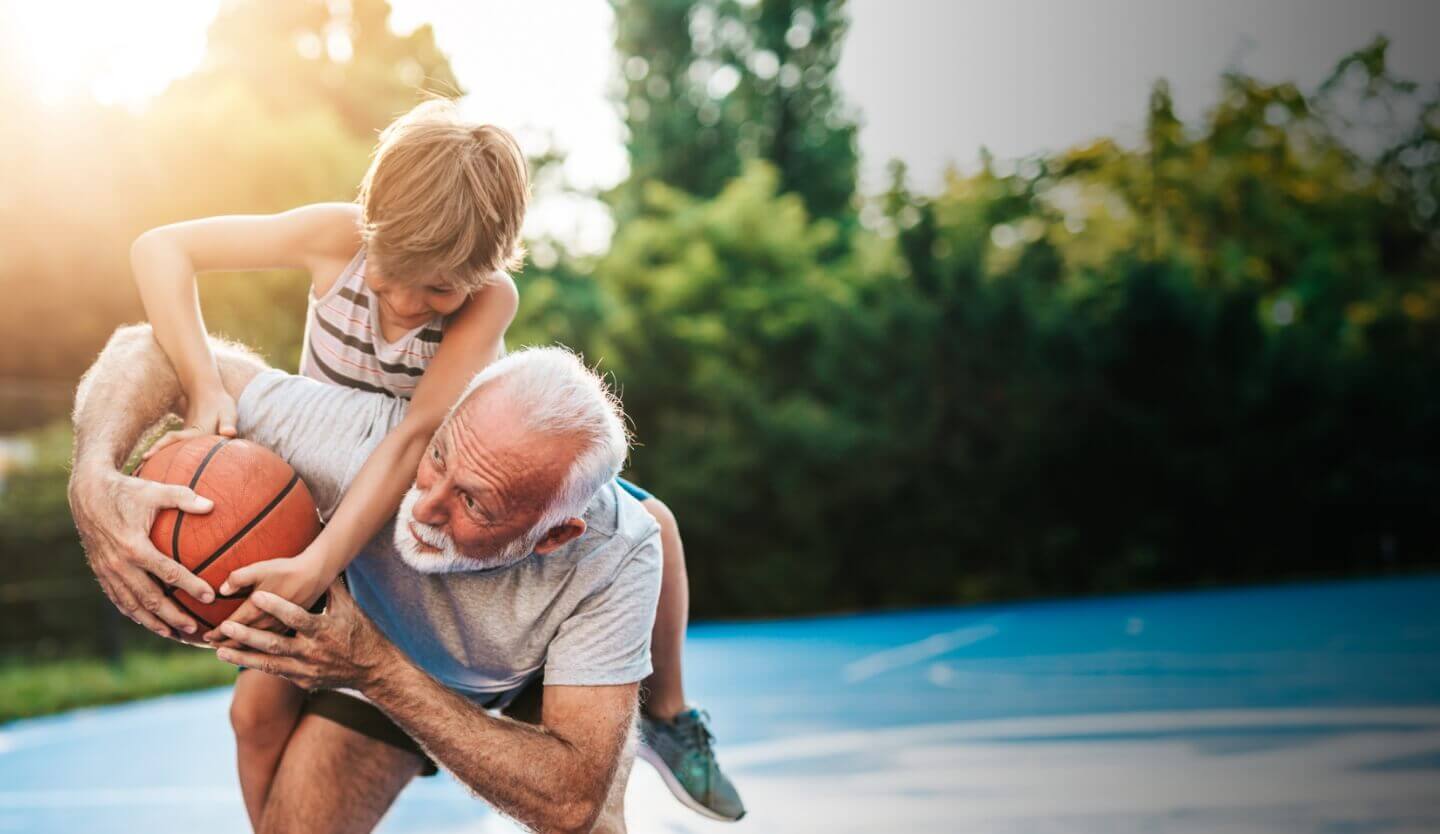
(187, 610)
(249, 525)
(180, 514)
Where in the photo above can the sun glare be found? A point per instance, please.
(116, 53)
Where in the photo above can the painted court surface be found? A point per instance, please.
(1311, 708)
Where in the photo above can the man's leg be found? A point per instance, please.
(333, 779)
(263, 713)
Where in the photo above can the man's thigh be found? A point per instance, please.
(333, 779)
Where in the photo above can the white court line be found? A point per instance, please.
(921, 650)
(925, 767)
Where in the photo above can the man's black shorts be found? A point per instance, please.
(370, 721)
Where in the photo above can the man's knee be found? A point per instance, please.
(259, 724)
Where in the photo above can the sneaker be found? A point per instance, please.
(680, 750)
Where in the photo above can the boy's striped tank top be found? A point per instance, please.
(344, 344)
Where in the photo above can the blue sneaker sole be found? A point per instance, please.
(678, 789)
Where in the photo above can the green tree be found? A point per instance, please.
(719, 318)
(709, 85)
(1208, 359)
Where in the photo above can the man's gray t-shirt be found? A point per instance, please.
(582, 613)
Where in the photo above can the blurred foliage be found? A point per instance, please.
(28, 688)
(1212, 358)
(341, 58)
(708, 85)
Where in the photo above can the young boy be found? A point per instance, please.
(409, 297)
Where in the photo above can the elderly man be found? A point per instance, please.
(517, 577)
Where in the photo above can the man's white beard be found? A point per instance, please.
(446, 558)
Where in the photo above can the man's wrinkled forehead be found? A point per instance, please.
(476, 409)
(478, 394)
(487, 425)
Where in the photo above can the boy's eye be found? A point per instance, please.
(442, 290)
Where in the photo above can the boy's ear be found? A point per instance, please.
(560, 535)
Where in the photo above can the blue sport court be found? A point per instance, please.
(1302, 708)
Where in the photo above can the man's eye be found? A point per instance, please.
(469, 502)
(435, 454)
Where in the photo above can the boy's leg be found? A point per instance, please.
(663, 693)
(677, 736)
(263, 713)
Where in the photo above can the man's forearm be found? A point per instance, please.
(525, 771)
(130, 387)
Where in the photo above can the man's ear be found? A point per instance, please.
(561, 535)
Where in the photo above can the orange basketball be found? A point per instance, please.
(262, 511)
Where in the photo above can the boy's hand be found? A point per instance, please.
(210, 412)
(300, 580)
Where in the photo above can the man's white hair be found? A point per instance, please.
(555, 393)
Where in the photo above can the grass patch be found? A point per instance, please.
(40, 687)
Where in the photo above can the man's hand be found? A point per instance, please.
(339, 648)
(301, 580)
(114, 513)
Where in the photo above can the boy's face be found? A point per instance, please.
(411, 303)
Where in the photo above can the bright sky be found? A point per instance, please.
(934, 80)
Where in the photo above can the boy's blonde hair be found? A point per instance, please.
(444, 195)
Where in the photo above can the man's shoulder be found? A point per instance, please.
(614, 513)
(616, 527)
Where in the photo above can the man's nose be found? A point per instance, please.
(430, 509)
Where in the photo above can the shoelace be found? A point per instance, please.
(699, 734)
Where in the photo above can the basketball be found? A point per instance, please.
(262, 511)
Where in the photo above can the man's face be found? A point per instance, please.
(481, 488)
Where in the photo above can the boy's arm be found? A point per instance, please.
(472, 341)
(165, 261)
